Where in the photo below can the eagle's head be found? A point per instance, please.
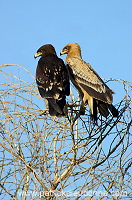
(45, 50)
(72, 49)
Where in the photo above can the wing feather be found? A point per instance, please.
(88, 80)
(51, 78)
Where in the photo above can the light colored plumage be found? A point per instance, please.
(91, 87)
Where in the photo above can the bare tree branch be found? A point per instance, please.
(44, 157)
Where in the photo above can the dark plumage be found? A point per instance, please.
(91, 87)
(52, 80)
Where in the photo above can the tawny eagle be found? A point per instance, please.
(91, 87)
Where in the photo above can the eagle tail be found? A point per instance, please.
(104, 109)
(113, 110)
(57, 107)
(94, 115)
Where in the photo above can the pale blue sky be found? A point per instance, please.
(103, 28)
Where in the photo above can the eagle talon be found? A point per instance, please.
(44, 112)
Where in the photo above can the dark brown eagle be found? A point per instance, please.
(91, 87)
(52, 80)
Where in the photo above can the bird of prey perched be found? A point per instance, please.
(52, 80)
(91, 87)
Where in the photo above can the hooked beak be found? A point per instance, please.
(61, 53)
(37, 54)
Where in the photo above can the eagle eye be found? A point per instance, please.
(67, 48)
